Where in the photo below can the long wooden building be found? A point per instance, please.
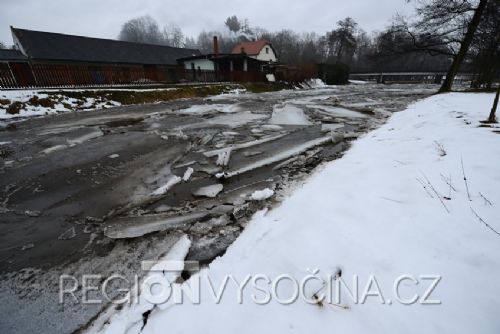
(44, 59)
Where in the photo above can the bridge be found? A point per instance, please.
(408, 77)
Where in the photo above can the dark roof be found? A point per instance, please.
(7, 54)
(53, 46)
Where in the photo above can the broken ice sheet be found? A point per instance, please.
(187, 174)
(68, 234)
(170, 183)
(209, 191)
(337, 111)
(288, 115)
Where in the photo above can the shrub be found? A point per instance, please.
(15, 108)
(44, 102)
(334, 74)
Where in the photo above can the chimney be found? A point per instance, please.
(242, 50)
(216, 46)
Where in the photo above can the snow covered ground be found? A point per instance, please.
(396, 204)
(32, 107)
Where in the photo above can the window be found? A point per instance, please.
(267, 50)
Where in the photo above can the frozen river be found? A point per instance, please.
(105, 189)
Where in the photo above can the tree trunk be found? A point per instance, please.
(492, 118)
(464, 47)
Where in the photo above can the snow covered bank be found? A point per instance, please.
(396, 204)
(26, 103)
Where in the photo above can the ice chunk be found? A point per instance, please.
(133, 227)
(85, 137)
(260, 195)
(325, 127)
(280, 156)
(235, 119)
(339, 112)
(68, 234)
(209, 191)
(170, 183)
(187, 174)
(289, 115)
(53, 149)
(272, 127)
(223, 157)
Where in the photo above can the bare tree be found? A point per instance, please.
(143, 29)
(261, 33)
(464, 46)
(190, 43)
(492, 118)
(173, 36)
(442, 27)
(2, 46)
(485, 49)
(287, 46)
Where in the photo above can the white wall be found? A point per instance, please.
(204, 64)
(265, 56)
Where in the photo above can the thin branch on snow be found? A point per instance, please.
(447, 180)
(486, 201)
(392, 200)
(482, 221)
(425, 187)
(465, 179)
(401, 163)
(435, 191)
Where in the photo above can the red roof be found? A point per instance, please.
(250, 48)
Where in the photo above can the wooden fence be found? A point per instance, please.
(36, 75)
(225, 76)
(26, 75)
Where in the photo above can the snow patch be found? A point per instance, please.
(366, 214)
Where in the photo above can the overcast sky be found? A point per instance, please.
(103, 18)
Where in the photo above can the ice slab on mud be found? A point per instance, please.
(330, 126)
(209, 191)
(210, 108)
(92, 134)
(187, 174)
(130, 318)
(170, 183)
(279, 156)
(53, 149)
(337, 111)
(289, 115)
(133, 227)
(236, 119)
(223, 157)
(212, 153)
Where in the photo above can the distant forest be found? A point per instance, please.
(427, 42)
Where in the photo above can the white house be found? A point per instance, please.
(202, 62)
